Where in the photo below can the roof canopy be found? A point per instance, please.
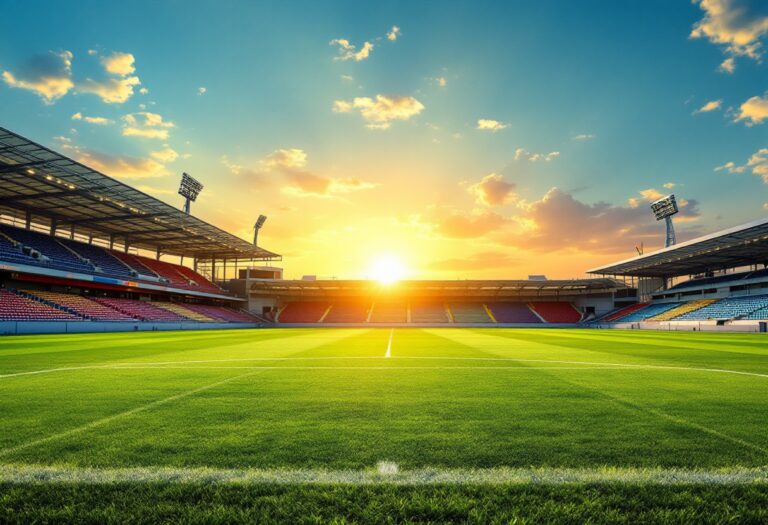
(47, 184)
(743, 245)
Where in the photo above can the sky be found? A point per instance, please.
(452, 140)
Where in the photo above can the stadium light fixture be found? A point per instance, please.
(189, 188)
(256, 227)
(664, 209)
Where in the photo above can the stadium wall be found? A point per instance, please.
(79, 327)
(686, 326)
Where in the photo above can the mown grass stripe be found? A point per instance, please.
(38, 474)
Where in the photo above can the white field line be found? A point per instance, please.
(389, 344)
(291, 367)
(109, 419)
(126, 364)
(34, 474)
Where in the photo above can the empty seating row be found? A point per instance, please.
(728, 308)
(389, 312)
(81, 306)
(23, 246)
(470, 313)
(220, 313)
(141, 310)
(622, 312)
(428, 312)
(647, 312)
(513, 313)
(14, 307)
(556, 312)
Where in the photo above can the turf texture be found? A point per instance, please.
(316, 425)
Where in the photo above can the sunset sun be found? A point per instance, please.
(387, 269)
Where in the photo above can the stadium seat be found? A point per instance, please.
(506, 312)
(469, 313)
(728, 308)
(80, 305)
(429, 312)
(617, 315)
(142, 310)
(348, 312)
(15, 307)
(58, 255)
(681, 309)
(221, 313)
(101, 258)
(647, 312)
(556, 312)
(303, 312)
(182, 311)
(389, 312)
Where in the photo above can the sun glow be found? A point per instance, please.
(388, 270)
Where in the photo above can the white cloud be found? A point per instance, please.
(490, 125)
(493, 190)
(754, 110)
(441, 81)
(286, 158)
(110, 90)
(523, 154)
(393, 34)
(118, 63)
(101, 121)
(731, 168)
(49, 76)
(348, 78)
(147, 125)
(583, 137)
(202, 90)
(143, 91)
(348, 51)
(379, 113)
(119, 166)
(165, 155)
(669, 185)
(728, 65)
(736, 25)
(712, 105)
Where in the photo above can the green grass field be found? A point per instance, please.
(375, 425)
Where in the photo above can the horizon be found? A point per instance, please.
(430, 140)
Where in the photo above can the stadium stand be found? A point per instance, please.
(508, 312)
(183, 312)
(757, 315)
(221, 313)
(348, 312)
(389, 312)
(101, 259)
(10, 251)
(556, 312)
(616, 315)
(303, 312)
(469, 313)
(681, 309)
(80, 305)
(14, 307)
(58, 256)
(134, 262)
(728, 308)
(141, 310)
(647, 312)
(429, 312)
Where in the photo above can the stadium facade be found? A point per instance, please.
(81, 251)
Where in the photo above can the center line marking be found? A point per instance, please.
(389, 344)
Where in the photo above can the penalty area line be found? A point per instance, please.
(38, 474)
(389, 344)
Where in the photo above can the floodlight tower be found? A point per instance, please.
(256, 227)
(665, 208)
(189, 189)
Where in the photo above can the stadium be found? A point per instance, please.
(351, 376)
(387, 262)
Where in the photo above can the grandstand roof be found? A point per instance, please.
(742, 245)
(47, 184)
(476, 288)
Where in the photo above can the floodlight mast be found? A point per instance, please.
(256, 227)
(665, 208)
(189, 188)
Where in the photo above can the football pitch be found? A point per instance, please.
(382, 425)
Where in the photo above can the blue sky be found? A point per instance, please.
(354, 158)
